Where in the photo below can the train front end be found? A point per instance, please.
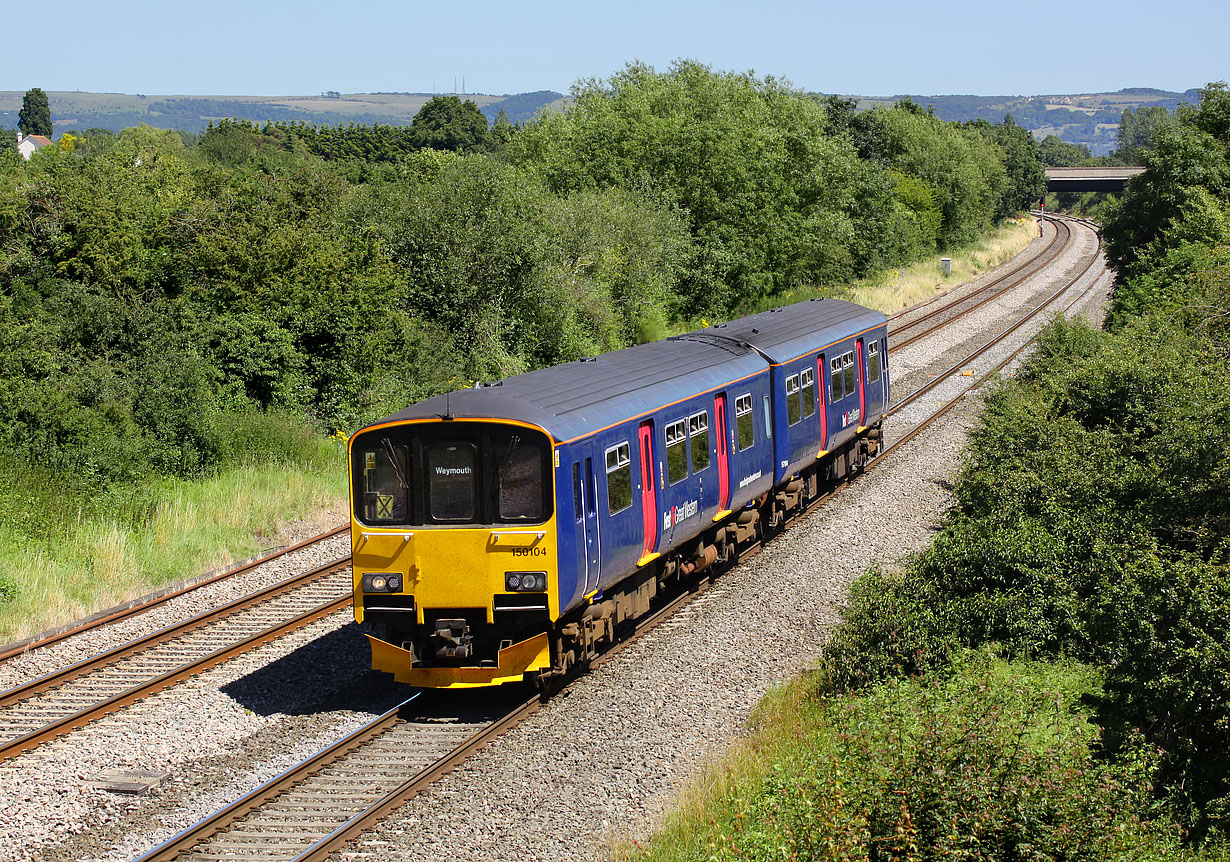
(454, 549)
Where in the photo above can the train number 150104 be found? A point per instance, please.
(529, 552)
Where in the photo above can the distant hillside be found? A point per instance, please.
(116, 111)
(1091, 119)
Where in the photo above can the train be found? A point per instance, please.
(510, 532)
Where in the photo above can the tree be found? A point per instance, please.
(1138, 129)
(35, 115)
(502, 130)
(1058, 153)
(447, 123)
(1181, 196)
(8, 142)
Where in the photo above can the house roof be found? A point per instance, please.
(38, 140)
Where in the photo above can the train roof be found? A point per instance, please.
(783, 334)
(581, 397)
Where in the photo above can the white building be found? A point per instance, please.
(27, 144)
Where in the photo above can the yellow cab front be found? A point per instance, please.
(454, 549)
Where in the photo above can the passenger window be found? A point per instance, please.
(794, 407)
(808, 391)
(450, 479)
(873, 362)
(835, 393)
(618, 478)
(698, 429)
(847, 368)
(676, 451)
(743, 422)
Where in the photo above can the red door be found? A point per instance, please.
(722, 435)
(649, 497)
(824, 402)
(862, 388)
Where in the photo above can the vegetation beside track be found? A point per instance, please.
(1050, 678)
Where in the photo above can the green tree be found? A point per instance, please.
(35, 115)
(1138, 129)
(502, 130)
(8, 143)
(1055, 152)
(1019, 153)
(447, 123)
(1182, 194)
(771, 199)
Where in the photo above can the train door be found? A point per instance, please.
(585, 492)
(860, 367)
(722, 436)
(823, 383)
(876, 380)
(649, 496)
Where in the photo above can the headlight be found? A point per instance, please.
(525, 581)
(381, 582)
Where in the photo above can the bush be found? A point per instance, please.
(991, 761)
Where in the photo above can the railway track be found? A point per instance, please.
(72, 697)
(917, 328)
(316, 807)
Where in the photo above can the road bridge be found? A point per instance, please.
(1089, 179)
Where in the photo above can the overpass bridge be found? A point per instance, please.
(1089, 179)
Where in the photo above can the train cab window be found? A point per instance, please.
(385, 489)
(618, 478)
(847, 371)
(835, 389)
(450, 473)
(676, 451)
(807, 384)
(794, 405)
(743, 421)
(698, 430)
(519, 482)
(873, 362)
(451, 477)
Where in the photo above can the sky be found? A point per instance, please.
(883, 48)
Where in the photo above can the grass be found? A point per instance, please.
(176, 530)
(900, 288)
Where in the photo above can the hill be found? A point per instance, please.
(116, 111)
(1091, 119)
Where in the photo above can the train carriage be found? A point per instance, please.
(507, 532)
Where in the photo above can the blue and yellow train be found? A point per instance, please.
(507, 532)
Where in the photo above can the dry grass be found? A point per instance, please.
(901, 288)
(193, 527)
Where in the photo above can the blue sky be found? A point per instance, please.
(868, 48)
